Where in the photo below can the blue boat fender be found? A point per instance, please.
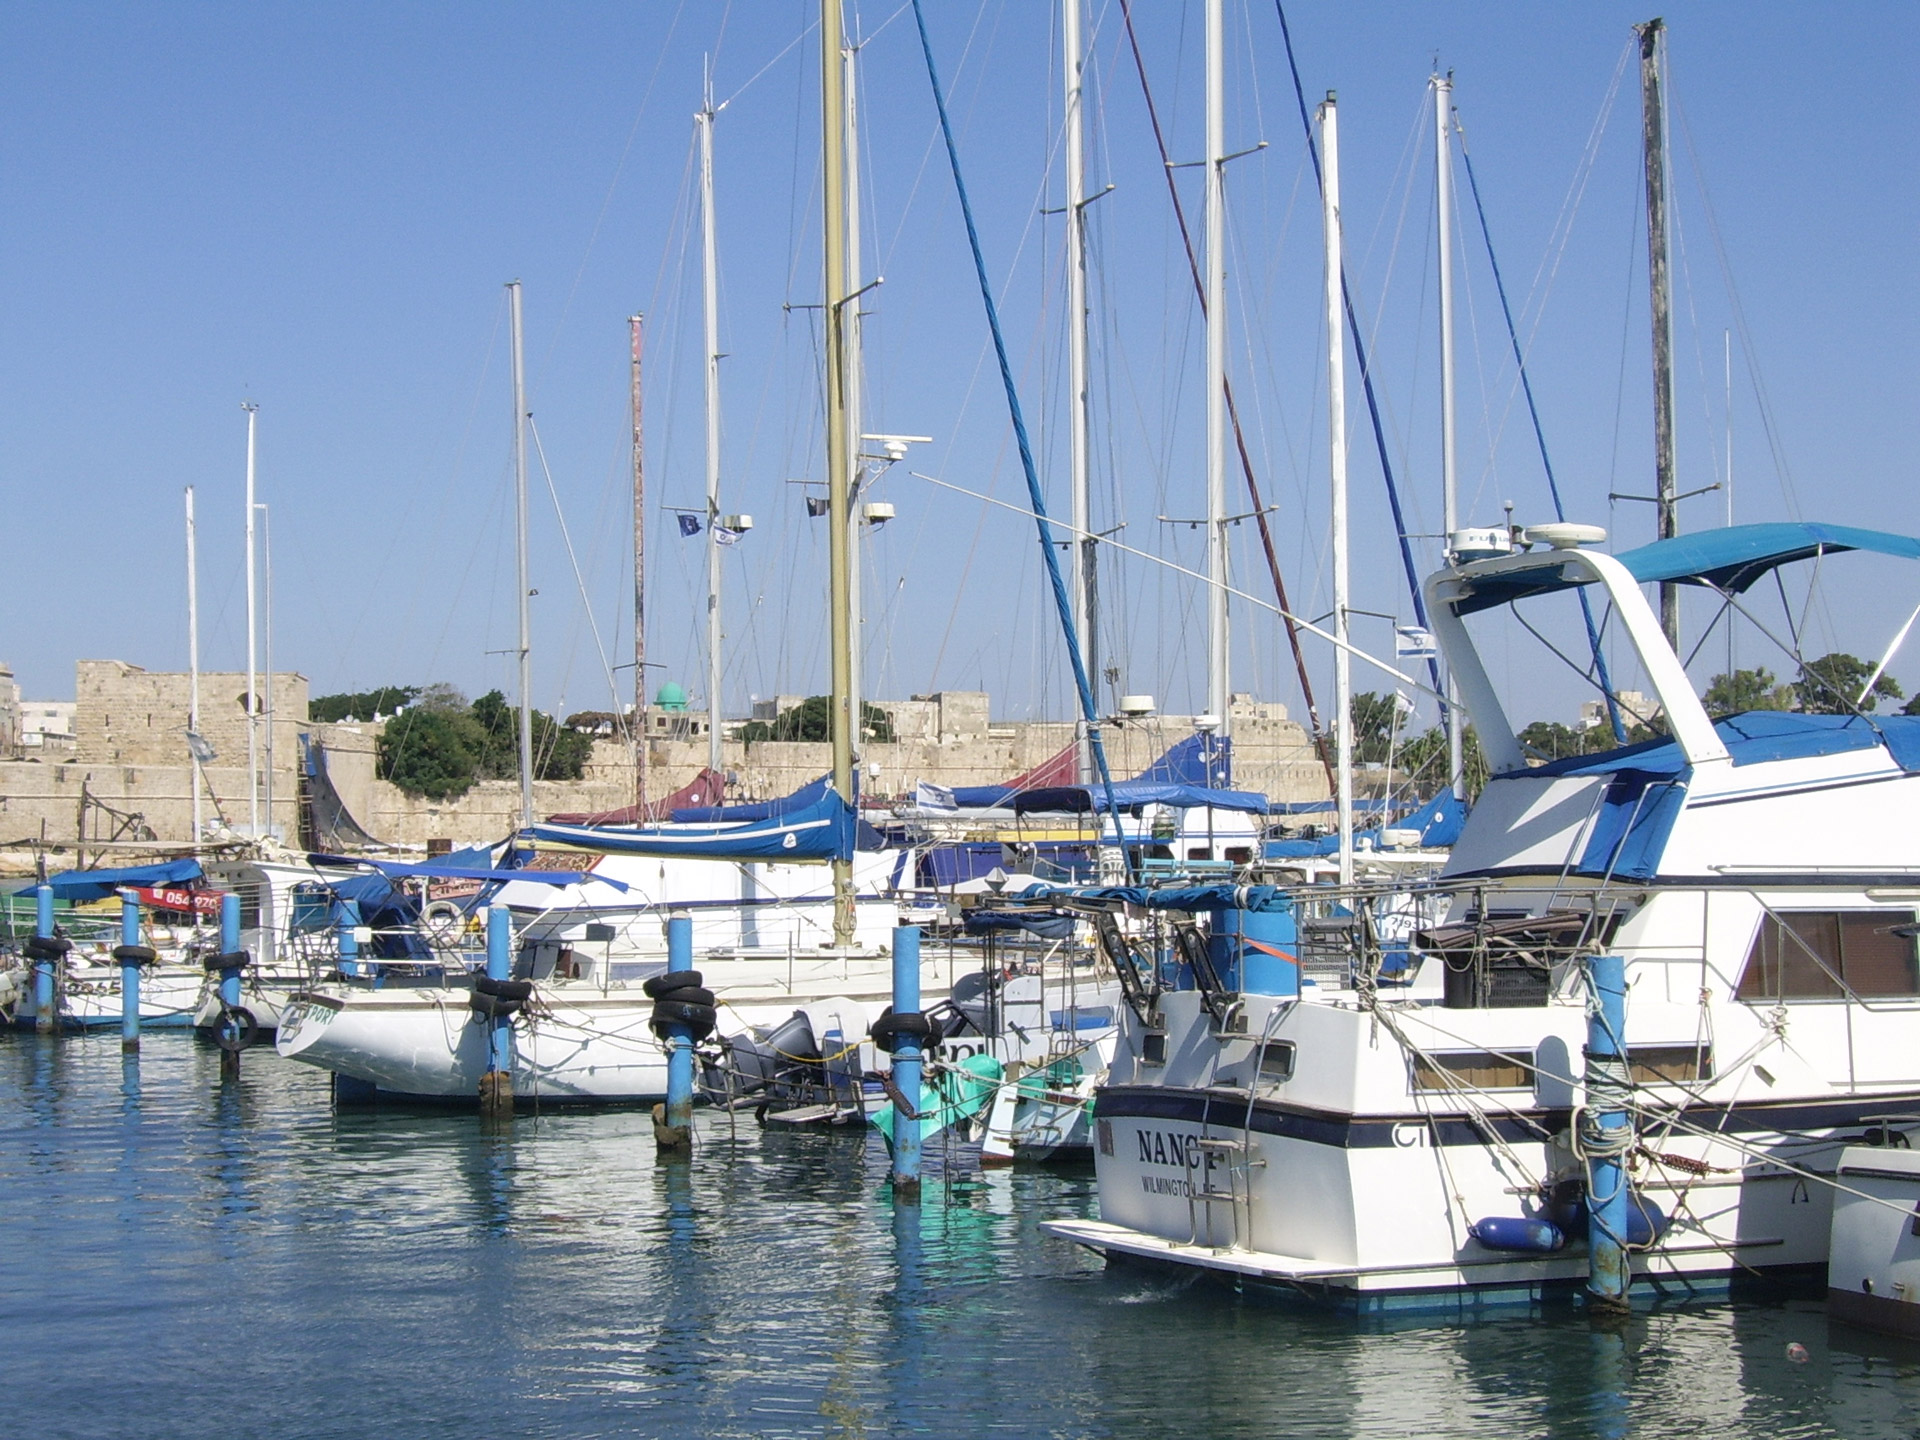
(1516, 1232)
(1646, 1221)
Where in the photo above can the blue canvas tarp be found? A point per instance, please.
(1187, 763)
(822, 831)
(441, 870)
(1270, 899)
(1438, 821)
(79, 886)
(804, 798)
(1131, 794)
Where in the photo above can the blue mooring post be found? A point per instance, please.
(496, 1086)
(1607, 1134)
(906, 1063)
(230, 979)
(673, 1124)
(46, 1014)
(130, 955)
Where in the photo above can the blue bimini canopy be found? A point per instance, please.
(79, 886)
(822, 831)
(1132, 794)
(1729, 559)
(1438, 821)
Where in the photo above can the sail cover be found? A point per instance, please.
(80, 886)
(823, 830)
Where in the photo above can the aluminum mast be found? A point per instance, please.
(1082, 551)
(253, 650)
(520, 555)
(1337, 467)
(710, 301)
(1217, 579)
(1449, 476)
(839, 450)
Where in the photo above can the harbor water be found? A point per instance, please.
(187, 1258)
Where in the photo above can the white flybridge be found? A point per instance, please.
(1414, 1124)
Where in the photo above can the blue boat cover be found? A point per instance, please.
(1270, 899)
(1131, 794)
(1047, 927)
(1186, 763)
(807, 795)
(79, 886)
(1438, 821)
(1757, 736)
(824, 830)
(1730, 559)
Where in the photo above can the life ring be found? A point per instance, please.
(235, 1029)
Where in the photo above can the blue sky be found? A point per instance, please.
(317, 209)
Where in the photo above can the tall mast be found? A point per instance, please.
(253, 643)
(1450, 504)
(1084, 582)
(1217, 694)
(1653, 117)
(1337, 466)
(839, 450)
(193, 666)
(638, 730)
(710, 299)
(855, 358)
(266, 515)
(520, 555)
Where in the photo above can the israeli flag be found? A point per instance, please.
(933, 797)
(1413, 642)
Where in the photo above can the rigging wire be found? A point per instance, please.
(1320, 738)
(1366, 370)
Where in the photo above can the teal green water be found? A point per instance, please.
(192, 1260)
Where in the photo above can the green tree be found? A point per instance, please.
(1832, 684)
(812, 720)
(430, 752)
(1423, 761)
(1744, 690)
(361, 705)
(1373, 724)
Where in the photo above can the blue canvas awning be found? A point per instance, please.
(1730, 559)
(822, 831)
(79, 886)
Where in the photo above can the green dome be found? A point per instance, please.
(671, 696)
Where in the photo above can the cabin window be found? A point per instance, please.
(1153, 1048)
(1806, 954)
(1239, 855)
(1276, 1060)
(1199, 852)
(1669, 1064)
(1473, 1070)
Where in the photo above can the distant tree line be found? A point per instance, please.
(812, 719)
(438, 744)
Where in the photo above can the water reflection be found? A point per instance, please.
(382, 1272)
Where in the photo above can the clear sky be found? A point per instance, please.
(315, 208)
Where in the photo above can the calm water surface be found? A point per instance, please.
(184, 1259)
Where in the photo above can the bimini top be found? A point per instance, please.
(1131, 794)
(1731, 559)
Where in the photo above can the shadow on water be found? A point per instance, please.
(181, 1249)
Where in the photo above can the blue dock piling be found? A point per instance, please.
(906, 1062)
(46, 1012)
(1606, 1134)
(232, 960)
(673, 1123)
(496, 1086)
(130, 956)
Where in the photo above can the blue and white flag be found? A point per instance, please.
(689, 523)
(933, 797)
(726, 536)
(1413, 642)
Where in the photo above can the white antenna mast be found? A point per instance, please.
(1337, 466)
(253, 644)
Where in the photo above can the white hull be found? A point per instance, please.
(579, 1043)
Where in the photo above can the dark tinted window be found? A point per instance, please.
(1806, 954)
